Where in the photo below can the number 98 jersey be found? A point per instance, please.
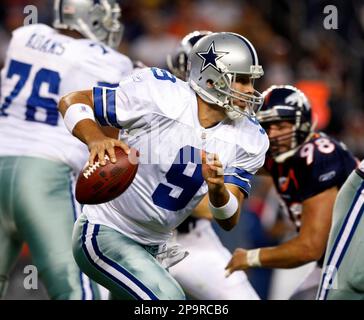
(319, 164)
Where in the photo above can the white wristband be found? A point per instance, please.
(227, 210)
(252, 258)
(77, 112)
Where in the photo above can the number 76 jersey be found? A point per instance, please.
(158, 115)
(41, 66)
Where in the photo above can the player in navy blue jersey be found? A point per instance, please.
(307, 168)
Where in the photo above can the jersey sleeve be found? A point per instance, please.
(134, 102)
(111, 68)
(121, 107)
(238, 177)
(329, 167)
(100, 65)
(241, 171)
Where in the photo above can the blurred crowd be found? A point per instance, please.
(291, 40)
(293, 47)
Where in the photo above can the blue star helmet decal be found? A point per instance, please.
(210, 57)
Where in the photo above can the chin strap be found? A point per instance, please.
(233, 114)
(85, 30)
(231, 111)
(205, 96)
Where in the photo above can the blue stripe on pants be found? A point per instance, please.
(347, 243)
(113, 265)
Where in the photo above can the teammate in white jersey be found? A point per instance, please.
(202, 274)
(175, 125)
(342, 276)
(38, 156)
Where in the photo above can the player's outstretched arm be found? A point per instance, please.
(223, 201)
(77, 109)
(309, 245)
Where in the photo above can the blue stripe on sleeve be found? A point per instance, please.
(239, 177)
(240, 172)
(243, 185)
(111, 108)
(98, 106)
(107, 84)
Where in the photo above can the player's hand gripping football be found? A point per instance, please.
(101, 146)
(212, 171)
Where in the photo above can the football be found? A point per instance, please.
(98, 184)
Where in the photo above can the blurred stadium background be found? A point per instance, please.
(293, 47)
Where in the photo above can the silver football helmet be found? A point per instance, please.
(98, 20)
(215, 63)
(177, 62)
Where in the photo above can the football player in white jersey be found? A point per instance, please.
(176, 126)
(342, 276)
(202, 274)
(38, 156)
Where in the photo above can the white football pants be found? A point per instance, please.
(202, 273)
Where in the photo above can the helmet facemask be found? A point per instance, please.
(285, 145)
(285, 103)
(177, 65)
(105, 24)
(282, 146)
(112, 24)
(251, 103)
(95, 21)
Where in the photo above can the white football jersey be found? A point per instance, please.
(158, 115)
(41, 66)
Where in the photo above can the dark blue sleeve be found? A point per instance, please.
(326, 171)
